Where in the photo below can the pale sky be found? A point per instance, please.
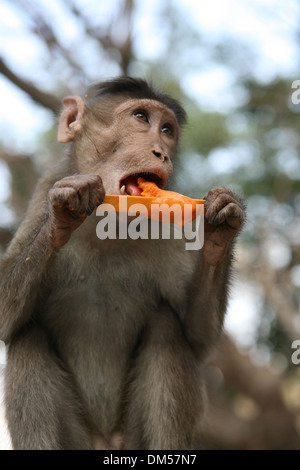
(268, 27)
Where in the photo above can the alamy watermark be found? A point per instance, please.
(296, 354)
(157, 221)
(2, 354)
(296, 94)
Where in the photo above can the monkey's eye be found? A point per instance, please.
(142, 115)
(167, 129)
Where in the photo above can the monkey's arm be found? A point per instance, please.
(224, 217)
(55, 211)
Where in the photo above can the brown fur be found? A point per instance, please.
(109, 336)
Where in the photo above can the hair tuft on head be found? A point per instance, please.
(135, 88)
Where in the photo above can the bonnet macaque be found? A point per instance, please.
(107, 338)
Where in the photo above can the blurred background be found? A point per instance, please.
(232, 65)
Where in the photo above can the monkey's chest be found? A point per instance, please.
(101, 308)
(107, 294)
(95, 330)
(97, 311)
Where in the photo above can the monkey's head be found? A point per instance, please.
(122, 129)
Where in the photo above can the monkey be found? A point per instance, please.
(108, 339)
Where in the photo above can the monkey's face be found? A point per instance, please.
(146, 139)
(137, 138)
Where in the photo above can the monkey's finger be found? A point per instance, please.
(91, 191)
(217, 201)
(79, 193)
(64, 198)
(60, 196)
(80, 181)
(90, 197)
(232, 214)
(213, 207)
(96, 193)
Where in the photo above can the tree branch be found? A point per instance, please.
(257, 382)
(46, 100)
(105, 37)
(272, 426)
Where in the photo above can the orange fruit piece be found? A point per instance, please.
(169, 197)
(161, 196)
(152, 196)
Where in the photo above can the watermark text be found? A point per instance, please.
(159, 221)
(296, 354)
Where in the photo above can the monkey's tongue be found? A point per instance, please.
(131, 186)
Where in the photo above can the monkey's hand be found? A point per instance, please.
(224, 217)
(71, 200)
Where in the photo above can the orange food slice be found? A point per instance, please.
(151, 196)
(161, 196)
(168, 197)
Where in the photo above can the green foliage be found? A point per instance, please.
(204, 132)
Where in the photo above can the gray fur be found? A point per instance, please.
(108, 335)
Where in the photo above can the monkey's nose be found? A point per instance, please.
(159, 155)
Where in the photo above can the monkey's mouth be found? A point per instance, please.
(129, 185)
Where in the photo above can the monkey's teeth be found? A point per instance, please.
(122, 190)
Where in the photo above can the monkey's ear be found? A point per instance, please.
(71, 119)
